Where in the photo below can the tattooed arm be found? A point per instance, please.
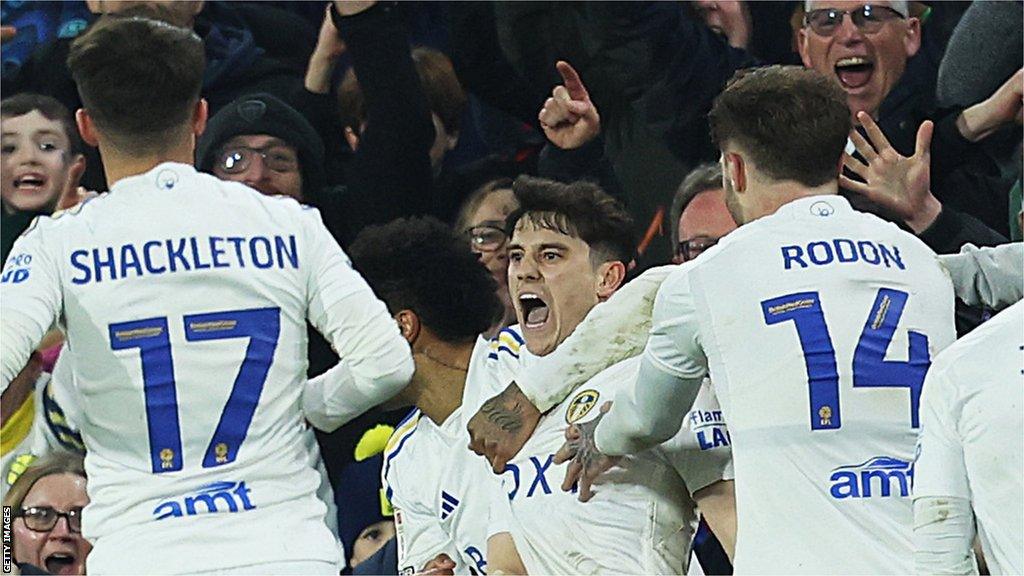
(503, 422)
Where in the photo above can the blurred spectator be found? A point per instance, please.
(47, 502)
(760, 28)
(482, 220)
(35, 23)
(41, 159)
(444, 95)
(248, 49)
(390, 173)
(699, 216)
(984, 50)
(446, 100)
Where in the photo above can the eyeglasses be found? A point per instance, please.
(237, 159)
(44, 518)
(867, 18)
(693, 247)
(485, 238)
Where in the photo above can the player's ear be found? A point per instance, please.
(86, 128)
(610, 278)
(736, 171)
(199, 117)
(408, 324)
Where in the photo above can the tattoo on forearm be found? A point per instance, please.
(509, 420)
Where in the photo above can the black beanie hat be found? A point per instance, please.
(265, 114)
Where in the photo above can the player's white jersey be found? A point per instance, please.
(642, 517)
(185, 302)
(440, 490)
(817, 324)
(971, 445)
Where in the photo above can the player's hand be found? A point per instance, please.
(569, 118)
(440, 565)
(899, 184)
(587, 461)
(1004, 106)
(502, 425)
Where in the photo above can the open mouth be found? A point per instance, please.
(535, 310)
(29, 182)
(61, 563)
(854, 71)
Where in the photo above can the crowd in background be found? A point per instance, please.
(424, 108)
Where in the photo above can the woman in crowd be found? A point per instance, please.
(46, 503)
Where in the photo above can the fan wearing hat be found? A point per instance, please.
(266, 144)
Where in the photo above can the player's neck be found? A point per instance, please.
(118, 165)
(776, 195)
(443, 369)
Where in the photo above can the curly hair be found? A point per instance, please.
(419, 264)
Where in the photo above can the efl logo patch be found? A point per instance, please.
(581, 405)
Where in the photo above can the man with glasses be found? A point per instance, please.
(699, 212)
(865, 47)
(868, 48)
(266, 144)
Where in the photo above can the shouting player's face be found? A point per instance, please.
(552, 282)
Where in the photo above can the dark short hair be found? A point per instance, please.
(580, 209)
(441, 88)
(419, 264)
(50, 108)
(792, 121)
(705, 177)
(139, 79)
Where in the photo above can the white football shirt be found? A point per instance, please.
(185, 300)
(817, 324)
(971, 444)
(642, 517)
(441, 490)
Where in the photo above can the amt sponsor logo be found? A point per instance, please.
(881, 476)
(214, 497)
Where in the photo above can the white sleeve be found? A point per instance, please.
(671, 371)
(939, 467)
(991, 276)
(420, 537)
(332, 398)
(701, 451)
(345, 310)
(499, 512)
(943, 536)
(32, 301)
(590, 349)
